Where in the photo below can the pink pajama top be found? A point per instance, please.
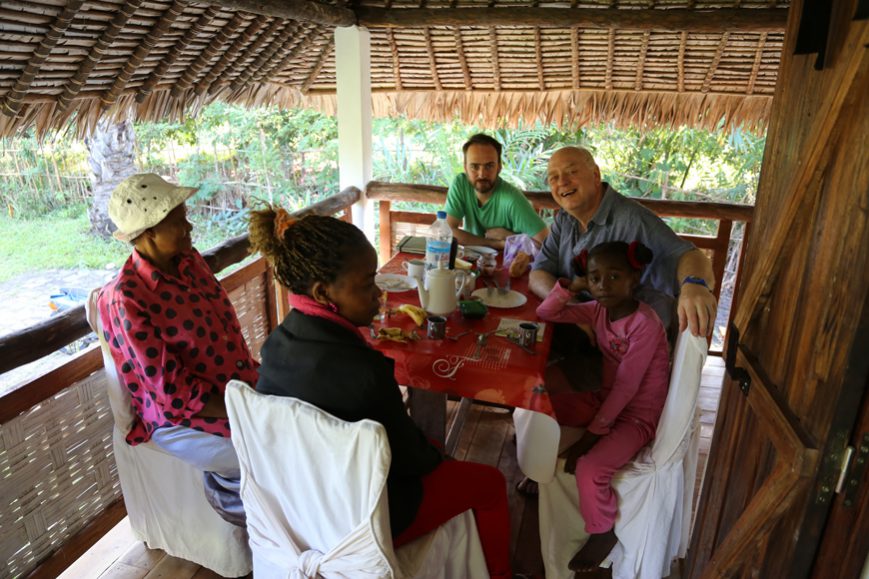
(176, 341)
(636, 364)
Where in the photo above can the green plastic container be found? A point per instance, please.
(473, 309)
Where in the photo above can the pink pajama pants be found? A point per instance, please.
(598, 503)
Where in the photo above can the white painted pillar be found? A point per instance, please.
(353, 79)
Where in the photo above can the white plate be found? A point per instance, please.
(481, 250)
(393, 282)
(495, 299)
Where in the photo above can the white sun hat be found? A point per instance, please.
(142, 201)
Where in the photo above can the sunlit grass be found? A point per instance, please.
(54, 242)
(62, 240)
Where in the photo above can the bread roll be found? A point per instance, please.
(519, 265)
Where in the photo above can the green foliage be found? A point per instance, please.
(236, 156)
(669, 163)
(36, 175)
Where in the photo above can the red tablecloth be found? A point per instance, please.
(505, 374)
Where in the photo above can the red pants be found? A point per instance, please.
(598, 503)
(453, 488)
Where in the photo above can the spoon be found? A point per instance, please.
(524, 347)
(481, 342)
(456, 337)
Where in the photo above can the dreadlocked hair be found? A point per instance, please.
(635, 255)
(313, 248)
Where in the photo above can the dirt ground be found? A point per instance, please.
(24, 302)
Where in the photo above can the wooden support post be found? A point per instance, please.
(719, 254)
(385, 230)
(353, 95)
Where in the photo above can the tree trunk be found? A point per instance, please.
(112, 159)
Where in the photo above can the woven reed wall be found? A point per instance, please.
(251, 304)
(58, 473)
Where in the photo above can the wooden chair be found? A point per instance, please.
(164, 496)
(314, 491)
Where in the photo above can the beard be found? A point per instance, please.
(484, 186)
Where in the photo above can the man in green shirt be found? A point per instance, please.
(491, 208)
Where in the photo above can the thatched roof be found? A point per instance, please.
(630, 61)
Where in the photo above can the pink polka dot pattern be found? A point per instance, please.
(176, 341)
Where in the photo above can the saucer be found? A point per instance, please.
(495, 299)
(393, 282)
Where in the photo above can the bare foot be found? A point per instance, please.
(593, 552)
(527, 487)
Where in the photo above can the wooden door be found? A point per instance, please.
(799, 349)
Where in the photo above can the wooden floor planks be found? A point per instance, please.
(487, 438)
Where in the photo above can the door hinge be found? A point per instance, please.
(841, 471)
(850, 480)
(740, 375)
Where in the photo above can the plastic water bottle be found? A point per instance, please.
(437, 245)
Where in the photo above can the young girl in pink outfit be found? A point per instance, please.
(622, 416)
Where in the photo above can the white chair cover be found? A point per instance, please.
(314, 490)
(537, 439)
(164, 496)
(655, 490)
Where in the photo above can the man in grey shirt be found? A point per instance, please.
(593, 212)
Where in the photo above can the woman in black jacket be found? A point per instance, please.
(318, 355)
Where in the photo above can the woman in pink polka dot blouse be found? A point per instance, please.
(172, 331)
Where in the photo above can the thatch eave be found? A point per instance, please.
(161, 59)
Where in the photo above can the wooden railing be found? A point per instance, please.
(725, 214)
(58, 477)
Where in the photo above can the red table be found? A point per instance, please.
(504, 373)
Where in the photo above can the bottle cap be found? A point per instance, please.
(442, 214)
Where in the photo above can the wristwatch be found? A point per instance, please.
(695, 280)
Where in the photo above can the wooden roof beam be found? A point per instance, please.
(496, 62)
(396, 64)
(574, 57)
(289, 47)
(285, 60)
(713, 66)
(431, 60)
(294, 10)
(755, 69)
(219, 43)
(280, 41)
(230, 55)
(306, 86)
(713, 20)
(141, 53)
(641, 62)
(538, 57)
(177, 49)
(14, 99)
(95, 55)
(261, 43)
(463, 60)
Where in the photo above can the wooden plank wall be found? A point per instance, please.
(805, 326)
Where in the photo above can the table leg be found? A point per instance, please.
(429, 412)
(455, 432)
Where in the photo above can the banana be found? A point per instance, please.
(394, 334)
(418, 314)
(462, 264)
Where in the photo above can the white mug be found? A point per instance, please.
(415, 268)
